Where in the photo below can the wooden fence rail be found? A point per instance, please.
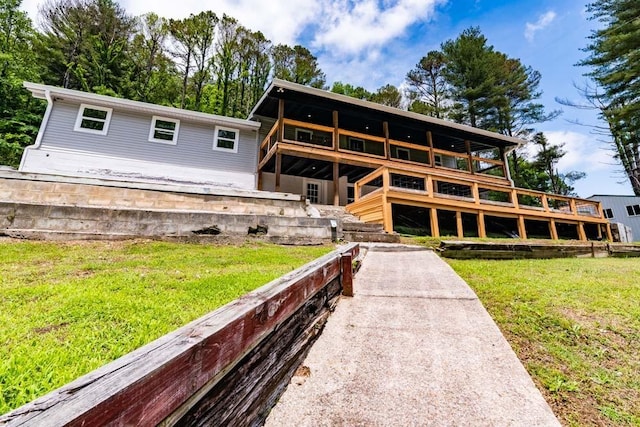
(226, 368)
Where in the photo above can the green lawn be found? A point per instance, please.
(68, 308)
(575, 324)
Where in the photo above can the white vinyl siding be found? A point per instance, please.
(164, 130)
(92, 119)
(226, 139)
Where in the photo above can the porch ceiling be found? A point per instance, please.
(316, 169)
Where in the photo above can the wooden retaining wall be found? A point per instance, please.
(534, 250)
(227, 368)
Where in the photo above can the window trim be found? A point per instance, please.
(299, 131)
(153, 128)
(235, 141)
(633, 208)
(608, 213)
(80, 116)
(404, 150)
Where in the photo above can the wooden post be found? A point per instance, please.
(522, 229)
(482, 230)
(459, 225)
(572, 205)
(430, 185)
(609, 235)
(336, 131)
(552, 229)
(475, 191)
(545, 202)
(278, 168)
(435, 227)
(581, 233)
(387, 146)
(503, 157)
(346, 274)
(467, 146)
(514, 199)
(386, 178)
(336, 184)
(387, 215)
(432, 155)
(280, 136)
(259, 185)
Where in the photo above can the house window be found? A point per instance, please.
(356, 144)
(93, 119)
(226, 139)
(313, 190)
(437, 159)
(633, 210)
(164, 130)
(608, 213)
(304, 135)
(403, 154)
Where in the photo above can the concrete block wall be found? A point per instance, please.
(79, 194)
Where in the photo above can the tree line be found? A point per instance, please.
(213, 64)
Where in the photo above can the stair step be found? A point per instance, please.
(362, 227)
(354, 236)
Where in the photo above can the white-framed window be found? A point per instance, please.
(304, 135)
(356, 144)
(313, 190)
(608, 213)
(226, 139)
(437, 158)
(633, 210)
(93, 119)
(164, 130)
(403, 153)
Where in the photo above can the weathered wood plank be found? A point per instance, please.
(149, 384)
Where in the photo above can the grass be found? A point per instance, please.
(575, 325)
(68, 308)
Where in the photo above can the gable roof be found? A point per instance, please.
(293, 91)
(58, 93)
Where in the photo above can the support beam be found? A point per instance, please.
(609, 235)
(433, 218)
(280, 136)
(581, 233)
(467, 146)
(387, 215)
(522, 229)
(336, 131)
(278, 170)
(432, 155)
(259, 184)
(387, 146)
(459, 225)
(552, 229)
(336, 184)
(482, 230)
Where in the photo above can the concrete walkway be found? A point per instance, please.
(414, 347)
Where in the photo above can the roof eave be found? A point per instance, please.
(39, 91)
(514, 142)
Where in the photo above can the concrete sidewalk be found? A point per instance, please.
(414, 347)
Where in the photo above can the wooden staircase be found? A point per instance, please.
(352, 229)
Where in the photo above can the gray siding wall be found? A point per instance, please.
(266, 125)
(618, 204)
(128, 137)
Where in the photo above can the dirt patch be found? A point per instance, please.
(50, 328)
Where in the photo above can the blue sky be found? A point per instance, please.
(375, 42)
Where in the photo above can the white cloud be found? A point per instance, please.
(351, 27)
(543, 21)
(584, 152)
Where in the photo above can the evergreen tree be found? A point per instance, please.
(613, 56)
(428, 87)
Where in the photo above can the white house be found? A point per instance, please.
(84, 134)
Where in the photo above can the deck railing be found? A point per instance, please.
(379, 150)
